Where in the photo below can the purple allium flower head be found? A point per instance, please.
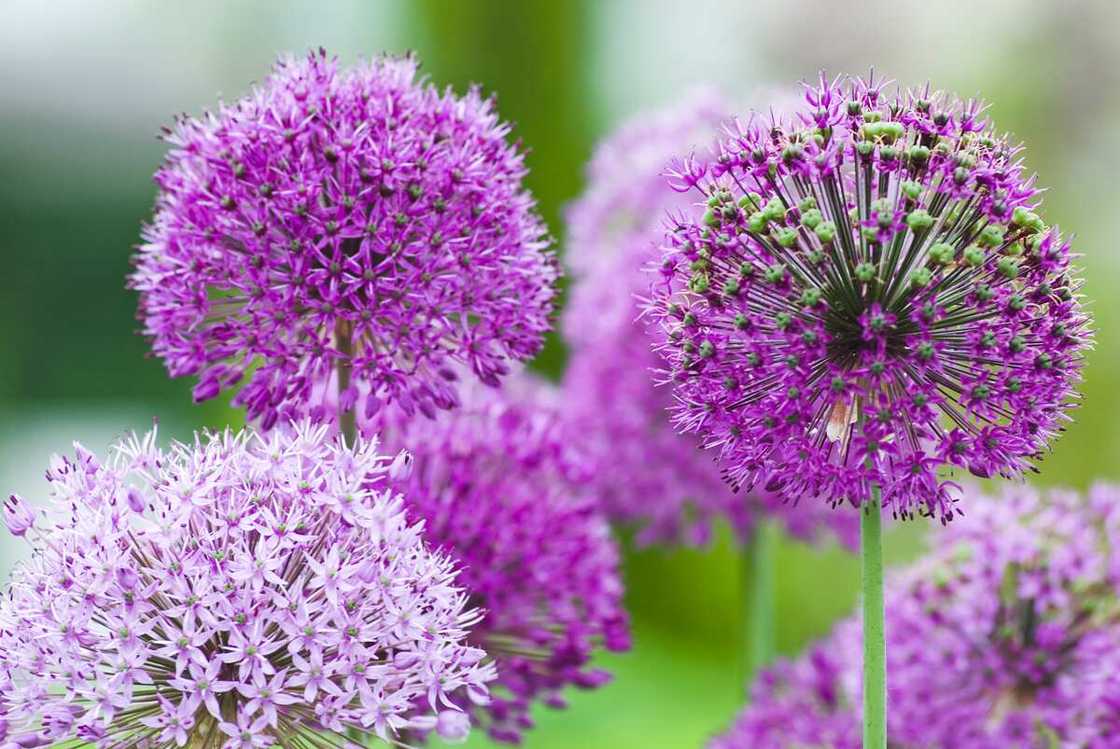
(355, 225)
(648, 474)
(238, 591)
(499, 487)
(1007, 635)
(868, 296)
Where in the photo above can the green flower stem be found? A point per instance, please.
(758, 587)
(347, 419)
(874, 644)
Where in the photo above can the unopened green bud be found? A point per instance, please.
(787, 237)
(774, 210)
(991, 236)
(825, 231)
(888, 132)
(918, 155)
(792, 152)
(942, 253)
(757, 222)
(1008, 267)
(775, 273)
(811, 297)
(1027, 220)
(973, 255)
(911, 189)
(807, 204)
(731, 287)
(811, 218)
(919, 220)
(865, 272)
(750, 202)
(699, 283)
(921, 278)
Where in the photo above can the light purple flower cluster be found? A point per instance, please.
(242, 591)
(648, 474)
(500, 489)
(868, 296)
(356, 226)
(1006, 636)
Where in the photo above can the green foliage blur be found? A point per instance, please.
(87, 85)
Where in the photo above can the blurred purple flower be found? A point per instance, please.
(272, 591)
(353, 224)
(796, 704)
(867, 296)
(1005, 636)
(501, 488)
(647, 474)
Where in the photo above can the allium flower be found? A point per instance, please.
(357, 226)
(500, 489)
(240, 591)
(648, 474)
(869, 296)
(1008, 635)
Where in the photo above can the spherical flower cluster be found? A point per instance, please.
(868, 296)
(357, 226)
(500, 489)
(648, 474)
(242, 591)
(1006, 636)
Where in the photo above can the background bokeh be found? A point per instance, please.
(85, 85)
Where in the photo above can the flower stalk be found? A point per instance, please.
(759, 595)
(874, 643)
(347, 419)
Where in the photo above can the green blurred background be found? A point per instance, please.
(84, 87)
